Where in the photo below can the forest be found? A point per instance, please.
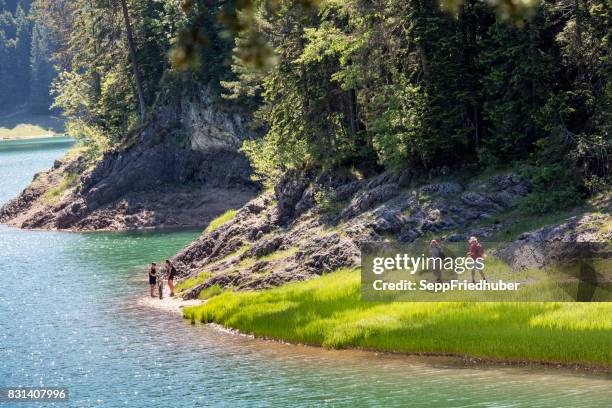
(339, 85)
(26, 66)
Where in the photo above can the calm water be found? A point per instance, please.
(70, 316)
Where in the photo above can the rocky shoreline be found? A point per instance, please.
(181, 170)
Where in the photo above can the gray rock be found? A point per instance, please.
(479, 201)
(380, 180)
(306, 201)
(265, 247)
(176, 184)
(408, 235)
(405, 178)
(346, 191)
(288, 193)
(377, 209)
(368, 198)
(388, 221)
(442, 188)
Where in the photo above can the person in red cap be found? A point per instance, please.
(476, 251)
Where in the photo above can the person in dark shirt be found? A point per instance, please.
(171, 273)
(152, 278)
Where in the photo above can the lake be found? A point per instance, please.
(71, 315)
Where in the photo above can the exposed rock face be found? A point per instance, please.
(547, 245)
(286, 236)
(182, 171)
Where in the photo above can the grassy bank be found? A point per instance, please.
(328, 312)
(26, 126)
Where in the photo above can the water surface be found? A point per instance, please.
(70, 316)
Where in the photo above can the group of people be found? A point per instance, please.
(169, 271)
(475, 251)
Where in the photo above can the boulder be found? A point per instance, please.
(367, 199)
(288, 193)
(479, 201)
(265, 247)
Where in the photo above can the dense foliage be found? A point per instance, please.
(96, 84)
(26, 70)
(396, 84)
(345, 84)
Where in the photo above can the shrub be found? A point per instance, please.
(554, 188)
(325, 199)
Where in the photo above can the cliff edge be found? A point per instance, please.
(180, 170)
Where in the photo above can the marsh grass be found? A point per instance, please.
(210, 292)
(328, 312)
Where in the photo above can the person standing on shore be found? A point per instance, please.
(476, 251)
(437, 255)
(170, 273)
(153, 278)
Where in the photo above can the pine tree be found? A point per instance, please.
(42, 71)
(4, 64)
(8, 86)
(21, 61)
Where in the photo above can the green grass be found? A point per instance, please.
(210, 292)
(55, 194)
(24, 125)
(220, 220)
(274, 256)
(247, 262)
(238, 252)
(193, 281)
(278, 255)
(328, 312)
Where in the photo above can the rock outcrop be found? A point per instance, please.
(182, 170)
(286, 235)
(579, 236)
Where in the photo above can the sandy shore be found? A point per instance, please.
(173, 305)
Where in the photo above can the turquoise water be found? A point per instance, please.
(71, 314)
(48, 143)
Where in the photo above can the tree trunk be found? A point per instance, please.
(97, 86)
(137, 79)
(578, 29)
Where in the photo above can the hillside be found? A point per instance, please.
(309, 227)
(182, 169)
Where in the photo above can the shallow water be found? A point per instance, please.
(69, 316)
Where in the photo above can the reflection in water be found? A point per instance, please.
(70, 317)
